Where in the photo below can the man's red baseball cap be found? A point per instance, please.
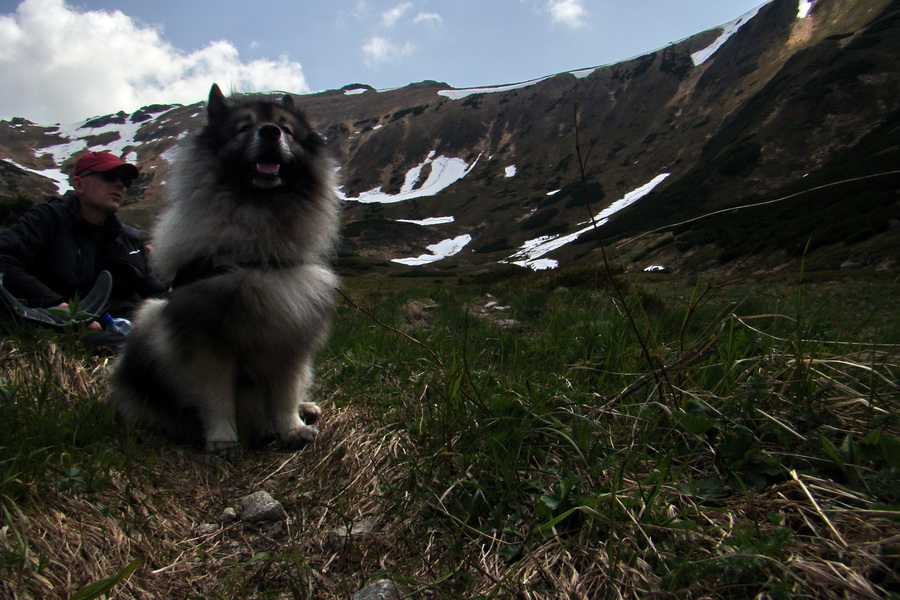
(98, 162)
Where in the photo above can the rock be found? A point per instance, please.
(207, 529)
(380, 590)
(261, 507)
(418, 314)
(505, 323)
(229, 515)
(340, 537)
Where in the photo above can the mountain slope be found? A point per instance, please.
(772, 104)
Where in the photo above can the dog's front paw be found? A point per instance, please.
(309, 412)
(229, 450)
(299, 437)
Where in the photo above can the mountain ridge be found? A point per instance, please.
(784, 101)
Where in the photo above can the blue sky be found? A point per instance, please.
(66, 61)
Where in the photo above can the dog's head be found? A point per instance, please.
(262, 143)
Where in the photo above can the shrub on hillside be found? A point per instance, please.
(13, 207)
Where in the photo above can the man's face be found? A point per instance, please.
(100, 194)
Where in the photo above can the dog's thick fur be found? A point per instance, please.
(227, 357)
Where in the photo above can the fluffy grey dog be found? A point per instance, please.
(227, 357)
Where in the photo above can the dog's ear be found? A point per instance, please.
(217, 105)
(287, 101)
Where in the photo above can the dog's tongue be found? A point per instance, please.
(268, 168)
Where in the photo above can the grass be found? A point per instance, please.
(739, 440)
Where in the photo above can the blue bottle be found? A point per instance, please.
(110, 323)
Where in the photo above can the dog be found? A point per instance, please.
(226, 359)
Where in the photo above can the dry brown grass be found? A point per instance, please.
(165, 514)
(163, 509)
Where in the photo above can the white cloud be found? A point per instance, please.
(391, 16)
(570, 13)
(428, 18)
(380, 50)
(59, 64)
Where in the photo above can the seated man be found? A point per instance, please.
(55, 252)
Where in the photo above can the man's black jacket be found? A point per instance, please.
(52, 255)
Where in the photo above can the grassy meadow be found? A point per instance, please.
(553, 435)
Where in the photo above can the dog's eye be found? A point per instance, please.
(287, 130)
(244, 128)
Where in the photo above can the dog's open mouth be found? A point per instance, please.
(268, 168)
(267, 175)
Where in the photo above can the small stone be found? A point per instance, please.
(380, 590)
(261, 506)
(340, 537)
(229, 515)
(207, 529)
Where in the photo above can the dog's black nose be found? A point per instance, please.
(269, 132)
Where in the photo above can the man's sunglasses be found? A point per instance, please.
(110, 177)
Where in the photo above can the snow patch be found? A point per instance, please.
(445, 171)
(532, 252)
(466, 92)
(428, 221)
(60, 178)
(77, 134)
(582, 73)
(510, 171)
(804, 8)
(728, 30)
(542, 264)
(439, 251)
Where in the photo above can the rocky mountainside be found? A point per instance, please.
(746, 147)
